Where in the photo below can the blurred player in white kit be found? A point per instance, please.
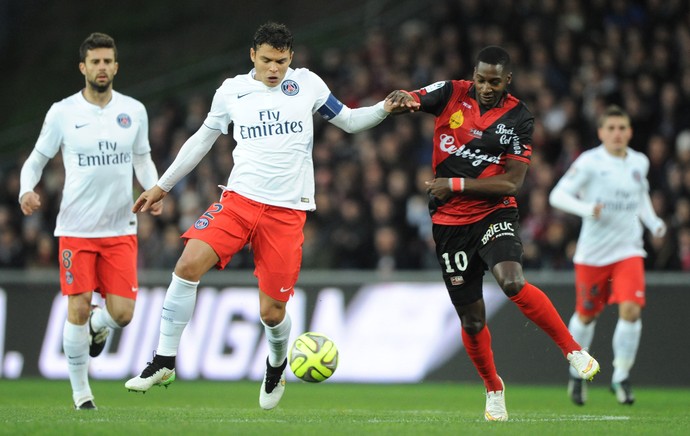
(103, 137)
(607, 186)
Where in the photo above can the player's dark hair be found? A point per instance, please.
(612, 111)
(494, 55)
(96, 40)
(276, 35)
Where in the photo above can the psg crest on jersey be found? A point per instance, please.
(201, 224)
(124, 121)
(289, 87)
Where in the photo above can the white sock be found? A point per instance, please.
(278, 337)
(75, 344)
(626, 340)
(101, 318)
(178, 307)
(583, 335)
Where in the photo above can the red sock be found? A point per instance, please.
(479, 349)
(536, 306)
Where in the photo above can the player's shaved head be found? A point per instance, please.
(494, 55)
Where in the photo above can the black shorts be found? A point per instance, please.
(465, 252)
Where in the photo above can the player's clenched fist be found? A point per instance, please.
(30, 202)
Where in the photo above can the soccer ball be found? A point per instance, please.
(313, 357)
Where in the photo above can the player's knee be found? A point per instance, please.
(473, 327)
(472, 323)
(271, 319)
(81, 314)
(78, 309)
(188, 270)
(630, 312)
(512, 285)
(272, 315)
(586, 319)
(122, 319)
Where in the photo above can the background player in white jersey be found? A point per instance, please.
(269, 190)
(607, 186)
(103, 135)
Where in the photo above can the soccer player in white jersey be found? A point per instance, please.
(270, 188)
(607, 186)
(103, 136)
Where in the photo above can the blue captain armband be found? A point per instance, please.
(331, 108)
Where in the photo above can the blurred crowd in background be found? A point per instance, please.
(571, 58)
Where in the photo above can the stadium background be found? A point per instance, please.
(571, 59)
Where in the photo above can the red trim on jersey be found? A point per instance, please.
(522, 159)
(413, 95)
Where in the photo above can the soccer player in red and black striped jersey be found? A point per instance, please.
(482, 150)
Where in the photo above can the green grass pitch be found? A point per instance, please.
(41, 407)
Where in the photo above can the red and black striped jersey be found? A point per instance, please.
(473, 145)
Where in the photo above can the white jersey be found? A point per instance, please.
(97, 148)
(273, 128)
(620, 184)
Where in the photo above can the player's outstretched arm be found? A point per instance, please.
(148, 199)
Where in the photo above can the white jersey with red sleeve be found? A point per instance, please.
(620, 184)
(97, 147)
(273, 128)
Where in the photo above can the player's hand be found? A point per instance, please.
(439, 188)
(400, 101)
(596, 213)
(156, 208)
(148, 199)
(30, 202)
(660, 230)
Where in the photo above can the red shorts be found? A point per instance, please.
(597, 286)
(104, 265)
(275, 234)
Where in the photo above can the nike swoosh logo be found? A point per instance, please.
(134, 289)
(243, 95)
(79, 126)
(285, 290)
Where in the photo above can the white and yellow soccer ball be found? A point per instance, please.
(313, 357)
